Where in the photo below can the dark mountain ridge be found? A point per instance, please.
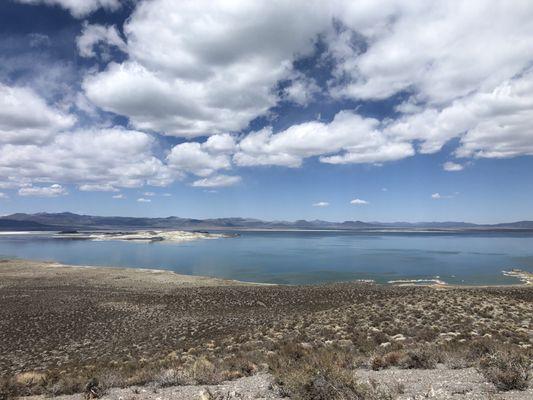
(68, 220)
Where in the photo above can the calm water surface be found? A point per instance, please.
(302, 257)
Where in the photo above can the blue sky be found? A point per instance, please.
(288, 111)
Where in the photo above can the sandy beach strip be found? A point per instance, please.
(53, 273)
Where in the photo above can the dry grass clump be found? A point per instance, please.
(323, 374)
(194, 370)
(30, 383)
(170, 377)
(507, 370)
(387, 360)
(420, 358)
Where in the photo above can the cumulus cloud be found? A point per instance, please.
(359, 202)
(452, 167)
(186, 77)
(19, 126)
(54, 190)
(118, 196)
(98, 35)
(221, 144)
(143, 200)
(225, 72)
(491, 124)
(205, 159)
(358, 139)
(209, 68)
(195, 158)
(94, 159)
(464, 65)
(78, 8)
(321, 204)
(439, 51)
(217, 181)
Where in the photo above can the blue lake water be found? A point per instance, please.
(302, 257)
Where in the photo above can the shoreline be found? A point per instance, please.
(524, 278)
(138, 278)
(376, 230)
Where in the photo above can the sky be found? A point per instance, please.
(375, 110)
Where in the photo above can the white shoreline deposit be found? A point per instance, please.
(145, 236)
(524, 276)
(409, 282)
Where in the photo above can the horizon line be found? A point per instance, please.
(278, 220)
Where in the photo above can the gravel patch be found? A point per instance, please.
(441, 383)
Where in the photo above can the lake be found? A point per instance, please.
(302, 257)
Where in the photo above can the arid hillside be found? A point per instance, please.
(61, 327)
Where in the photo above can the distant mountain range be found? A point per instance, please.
(70, 221)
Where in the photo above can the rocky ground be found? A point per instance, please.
(61, 326)
(438, 384)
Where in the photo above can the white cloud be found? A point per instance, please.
(143, 200)
(98, 35)
(321, 204)
(490, 124)
(208, 68)
(205, 159)
(221, 144)
(78, 8)
(26, 118)
(301, 90)
(452, 167)
(359, 202)
(92, 159)
(464, 64)
(360, 140)
(118, 196)
(217, 181)
(500, 121)
(440, 51)
(3, 196)
(194, 158)
(11, 182)
(438, 196)
(205, 67)
(456, 63)
(149, 194)
(98, 187)
(54, 190)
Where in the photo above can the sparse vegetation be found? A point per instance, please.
(420, 358)
(310, 338)
(325, 374)
(508, 370)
